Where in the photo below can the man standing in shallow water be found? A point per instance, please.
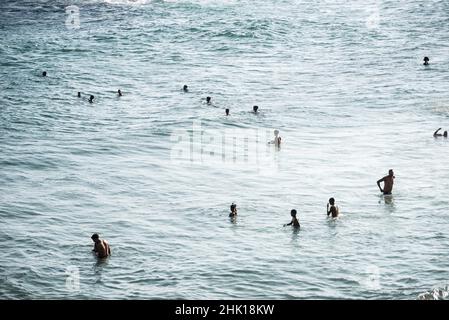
(388, 182)
(101, 247)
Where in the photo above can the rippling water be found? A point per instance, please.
(344, 83)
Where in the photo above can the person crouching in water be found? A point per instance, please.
(233, 210)
(294, 222)
(101, 247)
(332, 209)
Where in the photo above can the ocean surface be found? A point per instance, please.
(343, 82)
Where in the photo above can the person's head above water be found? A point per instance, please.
(44, 74)
(331, 201)
(95, 237)
(185, 88)
(119, 92)
(208, 99)
(91, 98)
(426, 60)
(233, 207)
(293, 213)
(276, 132)
(390, 172)
(227, 112)
(79, 94)
(255, 108)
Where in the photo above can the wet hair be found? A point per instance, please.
(332, 201)
(293, 212)
(95, 236)
(208, 99)
(390, 171)
(44, 74)
(227, 111)
(255, 108)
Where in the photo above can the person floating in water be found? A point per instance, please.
(227, 112)
(208, 100)
(44, 74)
(91, 98)
(233, 210)
(294, 222)
(388, 182)
(332, 209)
(119, 92)
(185, 88)
(255, 108)
(426, 61)
(101, 247)
(277, 139)
(79, 94)
(436, 134)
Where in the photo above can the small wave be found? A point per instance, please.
(435, 294)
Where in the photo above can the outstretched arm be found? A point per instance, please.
(436, 132)
(288, 224)
(378, 184)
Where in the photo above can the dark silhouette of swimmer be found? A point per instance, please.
(426, 61)
(233, 210)
(227, 112)
(208, 100)
(79, 94)
(294, 222)
(44, 74)
(388, 182)
(101, 247)
(185, 88)
(332, 208)
(255, 108)
(119, 92)
(436, 134)
(91, 99)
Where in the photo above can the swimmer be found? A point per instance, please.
(426, 61)
(79, 94)
(101, 247)
(91, 99)
(255, 108)
(208, 100)
(388, 182)
(227, 112)
(332, 208)
(44, 74)
(436, 134)
(294, 222)
(185, 88)
(277, 139)
(119, 92)
(233, 210)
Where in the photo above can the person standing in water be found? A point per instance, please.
(91, 98)
(44, 74)
(332, 209)
(255, 108)
(294, 222)
(388, 182)
(208, 100)
(101, 247)
(79, 94)
(227, 112)
(426, 61)
(185, 88)
(233, 210)
(119, 92)
(277, 139)
(436, 134)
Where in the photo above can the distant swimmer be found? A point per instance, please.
(294, 222)
(233, 210)
(426, 61)
(79, 94)
(185, 88)
(91, 98)
(101, 247)
(227, 112)
(388, 182)
(208, 100)
(277, 139)
(119, 92)
(332, 209)
(255, 108)
(44, 74)
(436, 134)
